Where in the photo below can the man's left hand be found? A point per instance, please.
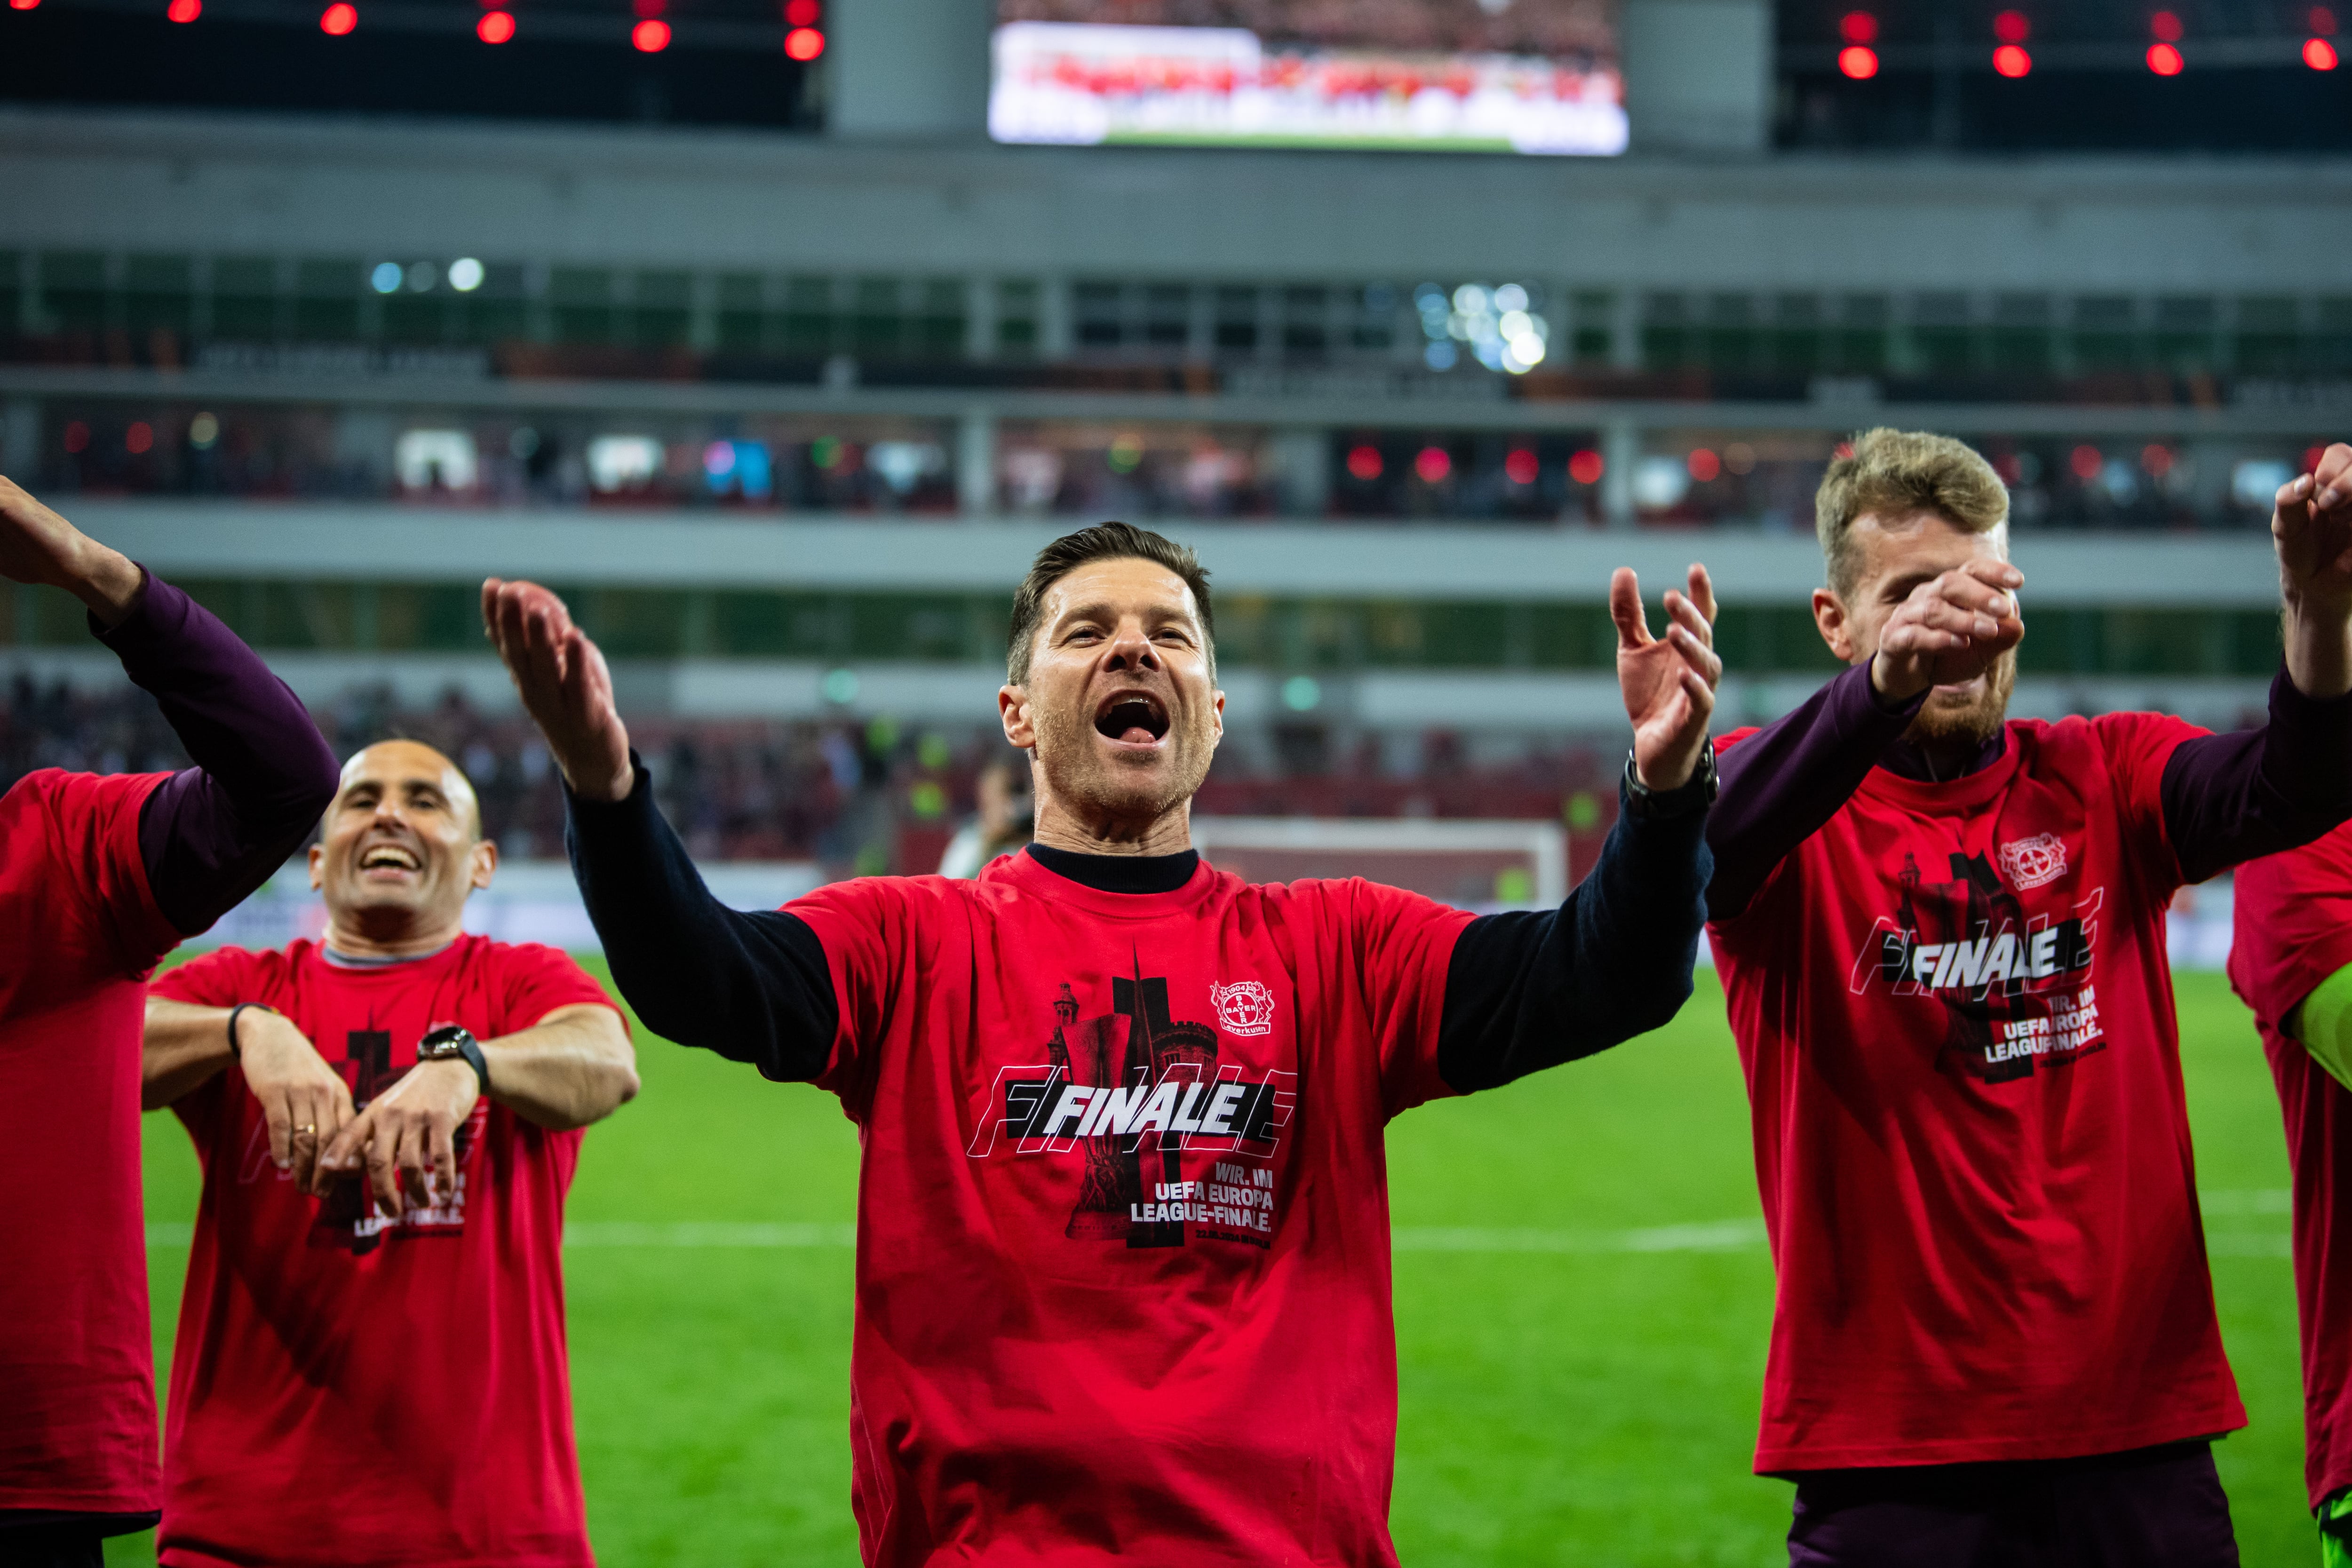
(407, 1137)
(2313, 528)
(1669, 683)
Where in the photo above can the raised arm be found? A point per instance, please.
(2229, 798)
(213, 833)
(1529, 991)
(1780, 785)
(754, 987)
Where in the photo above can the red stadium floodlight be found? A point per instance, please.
(1587, 467)
(495, 27)
(2012, 27)
(1703, 464)
(1432, 464)
(2323, 21)
(651, 36)
(24, 5)
(1858, 27)
(2166, 25)
(1858, 63)
(2319, 53)
(2012, 61)
(803, 44)
(2086, 462)
(140, 440)
(184, 10)
(1521, 466)
(2164, 59)
(801, 12)
(338, 19)
(1364, 461)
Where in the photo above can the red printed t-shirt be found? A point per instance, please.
(1123, 1232)
(2293, 918)
(1955, 1012)
(78, 933)
(347, 1389)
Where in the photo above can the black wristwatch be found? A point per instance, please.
(1696, 792)
(447, 1040)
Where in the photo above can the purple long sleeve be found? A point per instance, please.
(213, 833)
(1783, 783)
(2234, 797)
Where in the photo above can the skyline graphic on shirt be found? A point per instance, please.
(347, 1217)
(1131, 1090)
(2013, 980)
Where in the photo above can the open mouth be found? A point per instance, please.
(1132, 717)
(389, 857)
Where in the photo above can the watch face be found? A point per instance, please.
(447, 1041)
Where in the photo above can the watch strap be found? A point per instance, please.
(456, 1040)
(1693, 794)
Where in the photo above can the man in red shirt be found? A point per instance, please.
(1942, 935)
(370, 1369)
(99, 878)
(1123, 1238)
(2291, 959)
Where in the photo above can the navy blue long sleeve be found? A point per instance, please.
(751, 985)
(1529, 991)
(1524, 990)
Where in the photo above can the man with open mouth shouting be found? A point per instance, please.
(1123, 1239)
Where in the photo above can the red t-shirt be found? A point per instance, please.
(2294, 922)
(350, 1390)
(78, 933)
(1123, 1232)
(1955, 1013)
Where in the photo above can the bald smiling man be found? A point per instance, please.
(371, 1364)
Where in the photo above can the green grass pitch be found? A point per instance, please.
(1588, 1408)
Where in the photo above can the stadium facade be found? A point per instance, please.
(787, 412)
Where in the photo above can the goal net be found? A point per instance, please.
(1474, 865)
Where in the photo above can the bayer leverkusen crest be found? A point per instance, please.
(2032, 862)
(1244, 1008)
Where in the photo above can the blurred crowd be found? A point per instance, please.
(858, 797)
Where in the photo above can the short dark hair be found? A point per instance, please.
(1103, 542)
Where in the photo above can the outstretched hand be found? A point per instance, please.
(1950, 630)
(2312, 529)
(564, 685)
(1669, 683)
(36, 545)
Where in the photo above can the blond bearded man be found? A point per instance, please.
(370, 1371)
(1122, 1264)
(1942, 935)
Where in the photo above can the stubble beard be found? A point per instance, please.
(1115, 791)
(1979, 721)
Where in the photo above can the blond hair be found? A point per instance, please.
(1894, 474)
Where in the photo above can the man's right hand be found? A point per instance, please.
(1950, 629)
(305, 1100)
(36, 545)
(565, 687)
